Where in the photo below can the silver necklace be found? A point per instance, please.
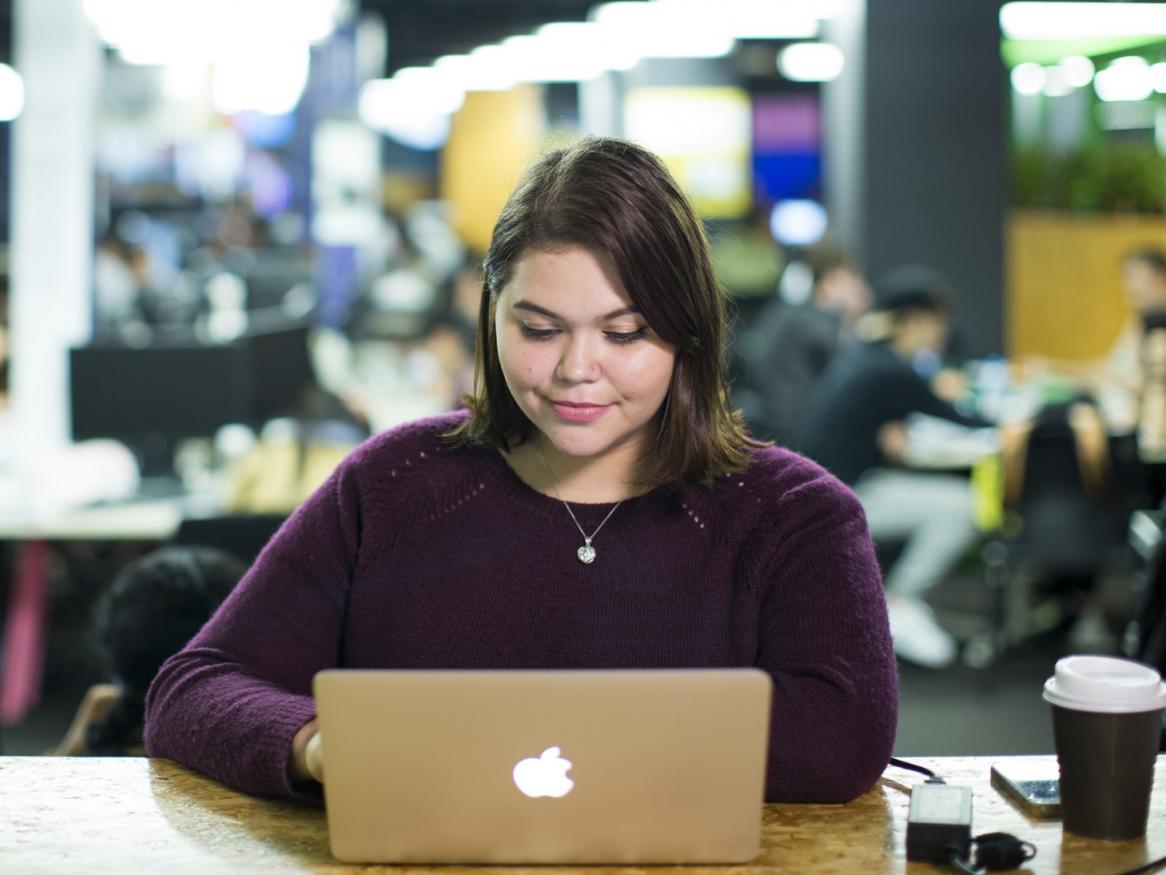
(586, 553)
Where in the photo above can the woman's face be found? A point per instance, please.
(580, 361)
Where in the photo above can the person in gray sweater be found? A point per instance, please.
(599, 505)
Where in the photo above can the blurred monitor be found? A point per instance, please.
(279, 369)
(149, 399)
(273, 274)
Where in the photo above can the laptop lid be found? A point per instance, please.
(602, 767)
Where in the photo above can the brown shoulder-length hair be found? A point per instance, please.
(618, 201)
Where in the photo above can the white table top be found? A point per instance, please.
(146, 520)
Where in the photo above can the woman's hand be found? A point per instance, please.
(307, 759)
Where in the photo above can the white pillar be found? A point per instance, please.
(56, 50)
(844, 111)
(601, 105)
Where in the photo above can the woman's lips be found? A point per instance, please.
(578, 412)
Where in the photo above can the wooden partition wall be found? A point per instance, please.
(493, 137)
(1063, 271)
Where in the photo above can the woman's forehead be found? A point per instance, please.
(566, 275)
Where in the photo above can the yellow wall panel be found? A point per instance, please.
(492, 138)
(1065, 297)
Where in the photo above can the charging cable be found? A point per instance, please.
(914, 767)
(939, 824)
(1152, 866)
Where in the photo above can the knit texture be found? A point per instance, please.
(418, 555)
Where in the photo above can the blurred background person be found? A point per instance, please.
(792, 344)
(154, 606)
(856, 427)
(1144, 281)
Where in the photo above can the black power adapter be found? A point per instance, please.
(939, 829)
(939, 822)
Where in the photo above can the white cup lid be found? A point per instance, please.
(1105, 685)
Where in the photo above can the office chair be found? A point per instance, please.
(1066, 524)
(241, 535)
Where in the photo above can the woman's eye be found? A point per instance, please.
(536, 333)
(626, 336)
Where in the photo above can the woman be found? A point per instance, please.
(599, 506)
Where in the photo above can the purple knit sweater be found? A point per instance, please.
(417, 555)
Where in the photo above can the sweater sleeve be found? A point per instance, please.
(230, 703)
(825, 640)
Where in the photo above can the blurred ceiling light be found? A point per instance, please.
(587, 38)
(562, 51)
(822, 9)
(163, 53)
(1077, 69)
(537, 59)
(663, 30)
(1127, 78)
(395, 109)
(489, 68)
(185, 81)
(798, 222)
(1158, 77)
(456, 68)
(270, 81)
(429, 87)
(1072, 20)
(11, 94)
(753, 19)
(811, 62)
(819, 9)
(1056, 83)
(260, 49)
(211, 28)
(1028, 78)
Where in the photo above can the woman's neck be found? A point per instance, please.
(602, 479)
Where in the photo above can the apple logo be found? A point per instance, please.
(545, 775)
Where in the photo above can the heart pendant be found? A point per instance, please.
(586, 554)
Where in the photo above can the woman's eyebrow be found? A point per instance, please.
(551, 314)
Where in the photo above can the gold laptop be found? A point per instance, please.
(601, 767)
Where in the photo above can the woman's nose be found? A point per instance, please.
(578, 363)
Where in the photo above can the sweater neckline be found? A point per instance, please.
(548, 506)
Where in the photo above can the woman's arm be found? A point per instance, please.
(231, 703)
(825, 640)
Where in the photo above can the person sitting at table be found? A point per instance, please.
(855, 428)
(1144, 280)
(796, 342)
(599, 506)
(152, 608)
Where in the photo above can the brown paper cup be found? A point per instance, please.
(1107, 771)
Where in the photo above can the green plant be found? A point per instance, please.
(1112, 177)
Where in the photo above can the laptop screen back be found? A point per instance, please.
(619, 767)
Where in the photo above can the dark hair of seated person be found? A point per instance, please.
(911, 289)
(153, 607)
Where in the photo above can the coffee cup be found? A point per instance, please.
(1107, 724)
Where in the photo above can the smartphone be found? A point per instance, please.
(1036, 794)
